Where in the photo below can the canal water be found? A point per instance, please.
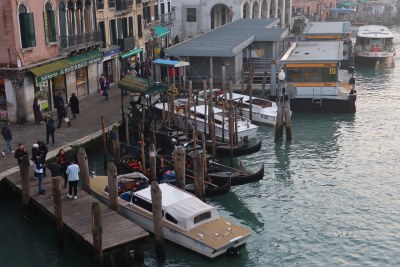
(329, 197)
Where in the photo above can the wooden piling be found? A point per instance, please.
(97, 230)
(84, 169)
(156, 200)
(223, 77)
(116, 144)
(279, 122)
(153, 162)
(212, 132)
(179, 157)
(105, 150)
(242, 81)
(250, 79)
(112, 185)
(143, 155)
(127, 129)
(264, 81)
(288, 120)
(26, 190)
(57, 181)
(198, 175)
(204, 153)
(205, 103)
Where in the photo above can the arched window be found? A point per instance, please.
(49, 24)
(26, 27)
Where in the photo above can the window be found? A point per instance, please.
(49, 24)
(191, 15)
(139, 26)
(162, 8)
(26, 27)
(130, 24)
(169, 7)
(100, 4)
(170, 218)
(103, 33)
(113, 32)
(156, 12)
(202, 217)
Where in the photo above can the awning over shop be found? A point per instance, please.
(131, 53)
(347, 3)
(161, 31)
(142, 86)
(61, 67)
(168, 62)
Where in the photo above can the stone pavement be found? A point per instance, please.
(86, 126)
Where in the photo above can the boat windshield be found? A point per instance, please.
(310, 74)
(202, 217)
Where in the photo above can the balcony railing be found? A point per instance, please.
(81, 40)
(167, 18)
(124, 5)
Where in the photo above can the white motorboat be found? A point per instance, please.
(199, 115)
(187, 221)
(374, 43)
(263, 111)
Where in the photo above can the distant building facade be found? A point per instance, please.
(193, 17)
(48, 47)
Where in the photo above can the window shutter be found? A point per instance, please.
(23, 30)
(46, 27)
(139, 25)
(53, 33)
(30, 30)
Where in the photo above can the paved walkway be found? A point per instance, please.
(86, 126)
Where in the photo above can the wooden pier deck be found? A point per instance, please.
(118, 231)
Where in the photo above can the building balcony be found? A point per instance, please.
(167, 18)
(75, 42)
(127, 43)
(123, 6)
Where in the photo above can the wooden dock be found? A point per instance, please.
(118, 231)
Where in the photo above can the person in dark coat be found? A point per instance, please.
(43, 150)
(7, 135)
(106, 86)
(36, 111)
(74, 103)
(21, 154)
(61, 114)
(58, 101)
(55, 168)
(50, 128)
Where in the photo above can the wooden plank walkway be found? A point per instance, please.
(77, 215)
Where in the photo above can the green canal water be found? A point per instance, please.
(329, 197)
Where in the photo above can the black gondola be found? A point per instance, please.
(224, 150)
(219, 173)
(212, 190)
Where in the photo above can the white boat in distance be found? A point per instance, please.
(187, 221)
(373, 43)
(264, 111)
(245, 129)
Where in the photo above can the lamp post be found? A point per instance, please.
(280, 106)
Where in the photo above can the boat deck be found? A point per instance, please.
(77, 215)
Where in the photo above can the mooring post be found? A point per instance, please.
(127, 129)
(26, 187)
(112, 185)
(179, 156)
(84, 169)
(97, 230)
(57, 181)
(288, 120)
(116, 144)
(198, 175)
(223, 78)
(156, 200)
(279, 122)
(153, 162)
(105, 154)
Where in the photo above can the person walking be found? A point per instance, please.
(106, 87)
(74, 104)
(39, 166)
(58, 101)
(62, 116)
(101, 81)
(36, 111)
(50, 128)
(62, 160)
(7, 135)
(73, 178)
(21, 154)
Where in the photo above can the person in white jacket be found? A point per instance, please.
(73, 178)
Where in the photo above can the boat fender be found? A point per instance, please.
(353, 92)
(232, 252)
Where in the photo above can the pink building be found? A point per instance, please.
(47, 46)
(315, 10)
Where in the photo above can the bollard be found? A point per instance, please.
(112, 185)
(179, 156)
(26, 187)
(57, 181)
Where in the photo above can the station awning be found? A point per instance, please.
(168, 62)
(63, 66)
(131, 52)
(142, 86)
(161, 31)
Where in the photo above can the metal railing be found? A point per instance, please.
(80, 40)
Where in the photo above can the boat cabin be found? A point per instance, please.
(180, 208)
